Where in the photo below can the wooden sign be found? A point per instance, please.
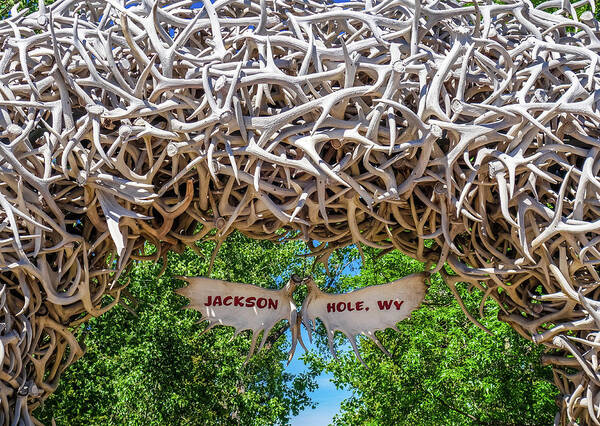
(243, 306)
(249, 307)
(363, 311)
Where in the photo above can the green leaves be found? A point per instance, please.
(444, 370)
(156, 368)
(7, 5)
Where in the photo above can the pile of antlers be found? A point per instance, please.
(384, 123)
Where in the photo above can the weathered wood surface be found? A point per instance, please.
(364, 311)
(244, 307)
(384, 123)
(361, 312)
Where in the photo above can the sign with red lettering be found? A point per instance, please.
(360, 312)
(242, 306)
(363, 311)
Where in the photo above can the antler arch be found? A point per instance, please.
(381, 123)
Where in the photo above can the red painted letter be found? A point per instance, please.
(209, 301)
(398, 304)
(359, 306)
(237, 301)
(273, 303)
(250, 302)
(227, 299)
(384, 304)
(217, 301)
(261, 302)
(341, 306)
(331, 307)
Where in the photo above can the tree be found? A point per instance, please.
(155, 368)
(443, 370)
(7, 5)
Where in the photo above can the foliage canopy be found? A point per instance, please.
(443, 370)
(155, 368)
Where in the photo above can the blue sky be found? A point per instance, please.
(327, 396)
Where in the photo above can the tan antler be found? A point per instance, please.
(385, 123)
